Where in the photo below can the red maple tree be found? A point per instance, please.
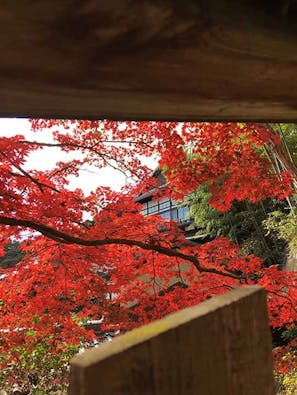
(71, 265)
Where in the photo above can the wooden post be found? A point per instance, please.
(220, 347)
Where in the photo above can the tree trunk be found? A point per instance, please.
(282, 153)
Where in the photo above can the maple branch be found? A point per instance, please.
(74, 145)
(286, 297)
(92, 148)
(24, 173)
(34, 180)
(65, 238)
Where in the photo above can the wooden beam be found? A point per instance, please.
(136, 59)
(221, 346)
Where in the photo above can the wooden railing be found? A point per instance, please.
(219, 347)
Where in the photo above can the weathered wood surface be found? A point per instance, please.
(149, 59)
(220, 347)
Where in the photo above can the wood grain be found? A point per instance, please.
(139, 59)
(221, 346)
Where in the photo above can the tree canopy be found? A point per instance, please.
(95, 257)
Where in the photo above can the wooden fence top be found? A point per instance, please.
(222, 344)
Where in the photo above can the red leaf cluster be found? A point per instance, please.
(121, 268)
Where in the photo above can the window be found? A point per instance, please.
(166, 214)
(183, 213)
(166, 208)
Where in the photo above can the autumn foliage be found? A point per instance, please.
(96, 257)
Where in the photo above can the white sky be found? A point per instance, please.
(44, 159)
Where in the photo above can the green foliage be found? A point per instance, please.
(288, 131)
(242, 224)
(13, 255)
(38, 370)
(285, 226)
(290, 383)
(286, 384)
(290, 334)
